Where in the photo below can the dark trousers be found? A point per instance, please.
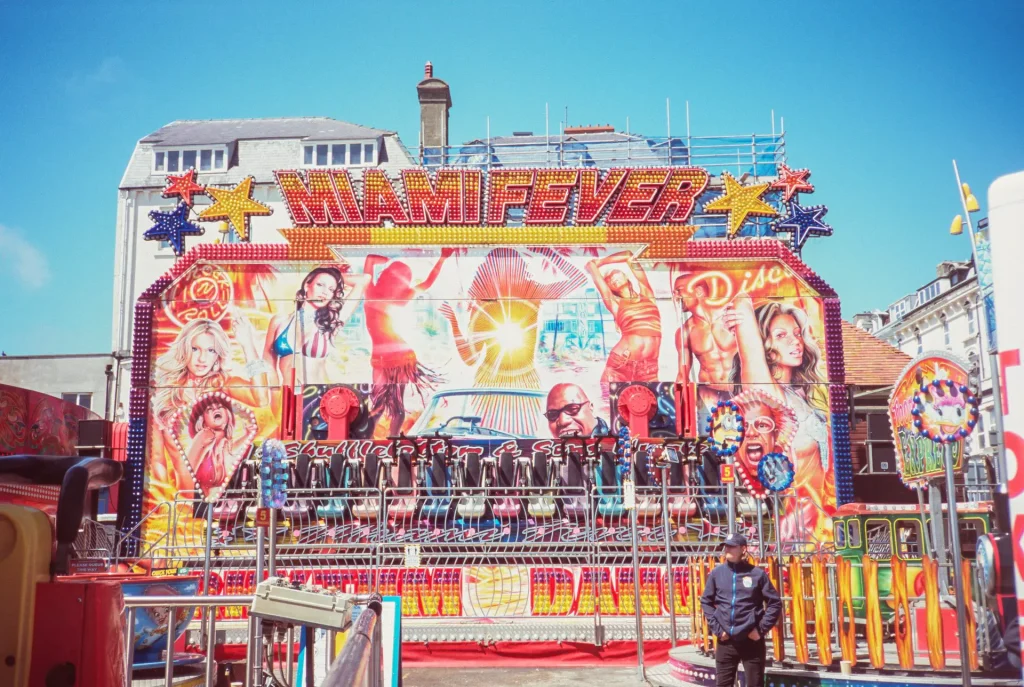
(734, 651)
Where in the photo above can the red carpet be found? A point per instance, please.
(509, 654)
(530, 654)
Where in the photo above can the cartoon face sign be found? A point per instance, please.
(775, 472)
(944, 411)
(726, 428)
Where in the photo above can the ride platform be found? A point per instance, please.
(688, 666)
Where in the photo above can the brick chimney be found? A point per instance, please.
(435, 102)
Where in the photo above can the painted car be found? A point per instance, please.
(461, 413)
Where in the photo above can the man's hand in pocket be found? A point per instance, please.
(754, 634)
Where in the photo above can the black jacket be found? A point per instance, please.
(738, 598)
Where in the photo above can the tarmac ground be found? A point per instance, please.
(521, 677)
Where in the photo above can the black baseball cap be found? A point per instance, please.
(735, 539)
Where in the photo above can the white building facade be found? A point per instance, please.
(224, 153)
(85, 379)
(946, 314)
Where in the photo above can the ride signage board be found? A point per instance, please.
(919, 456)
(1006, 207)
(507, 308)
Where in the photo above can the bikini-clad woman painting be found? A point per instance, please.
(300, 340)
(198, 362)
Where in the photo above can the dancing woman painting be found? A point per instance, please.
(635, 357)
(393, 359)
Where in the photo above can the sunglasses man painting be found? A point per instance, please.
(570, 410)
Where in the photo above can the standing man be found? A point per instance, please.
(741, 606)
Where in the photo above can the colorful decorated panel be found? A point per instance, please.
(929, 407)
(31, 422)
(486, 344)
(491, 590)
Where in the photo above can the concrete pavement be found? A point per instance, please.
(521, 677)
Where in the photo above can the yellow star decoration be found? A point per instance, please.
(741, 202)
(234, 205)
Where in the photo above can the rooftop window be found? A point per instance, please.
(898, 310)
(174, 160)
(338, 154)
(928, 293)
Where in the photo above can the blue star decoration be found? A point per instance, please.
(172, 227)
(803, 223)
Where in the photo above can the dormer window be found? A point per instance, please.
(174, 160)
(338, 154)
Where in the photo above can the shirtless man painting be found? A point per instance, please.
(635, 357)
(393, 360)
(706, 338)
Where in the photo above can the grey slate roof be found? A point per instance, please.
(257, 147)
(225, 131)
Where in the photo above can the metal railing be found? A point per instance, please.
(510, 533)
(755, 154)
(470, 553)
(359, 663)
(172, 604)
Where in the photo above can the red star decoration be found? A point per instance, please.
(792, 181)
(183, 185)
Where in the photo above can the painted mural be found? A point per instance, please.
(31, 422)
(485, 344)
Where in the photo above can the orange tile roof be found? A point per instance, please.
(869, 360)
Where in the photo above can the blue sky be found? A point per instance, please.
(877, 99)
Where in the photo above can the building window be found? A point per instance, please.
(920, 343)
(971, 326)
(360, 154)
(971, 529)
(84, 400)
(179, 160)
(928, 293)
(899, 310)
(945, 328)
(879, 536)
(854, 531)
(881, 453)
(908, 539)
